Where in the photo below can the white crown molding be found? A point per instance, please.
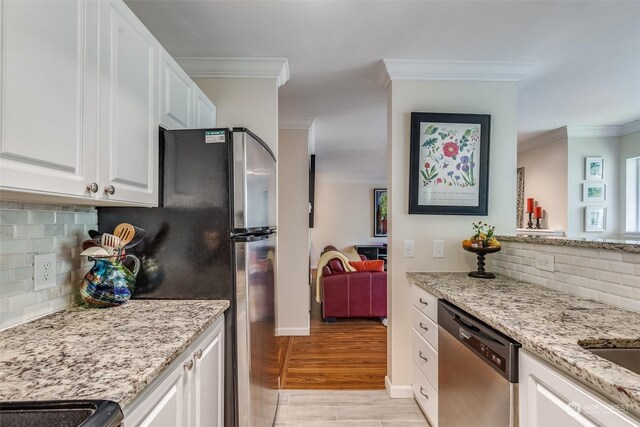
(302, 124)
(545, 138)
(237, 68)
(630, 127)
(592, 131)
(491, 71)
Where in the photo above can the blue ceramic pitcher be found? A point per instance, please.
(109, 283)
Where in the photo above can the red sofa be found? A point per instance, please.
(352, 294)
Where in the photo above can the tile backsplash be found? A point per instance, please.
(608, 276)
(27, 229)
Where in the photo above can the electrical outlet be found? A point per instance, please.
(44, 271)
(438, 248)
(408, 248)
(545, 262)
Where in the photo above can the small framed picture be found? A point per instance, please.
(594, 169)
(594, 192)
(595, 218)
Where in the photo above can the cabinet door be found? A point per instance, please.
(209, 381)
(49, 87)
(205, 111)
(549, 398)
(163, 404)
(176, 95)
(129, 127)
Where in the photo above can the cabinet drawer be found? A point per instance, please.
(425, 395)
(425, 327)
(425, 302)
(425, 357)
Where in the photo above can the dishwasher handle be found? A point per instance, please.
(474, 331)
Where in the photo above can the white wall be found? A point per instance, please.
(344, 216)
(250, 103)
(629, 147)
(293, 233)
(545, 172)
(578, 149)
(497, 99)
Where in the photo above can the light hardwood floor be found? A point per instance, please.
(306, 408)
(349, 354)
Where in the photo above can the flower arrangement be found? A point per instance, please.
(483, 237)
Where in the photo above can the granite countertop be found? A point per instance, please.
(619, 245)
(550, 324)
(90, 353)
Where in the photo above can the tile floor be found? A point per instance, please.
(316, 408)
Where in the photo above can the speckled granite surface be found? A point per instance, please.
(88, 353)
(550, 324)
(620, 245)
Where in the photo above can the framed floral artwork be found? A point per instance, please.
(449, 164)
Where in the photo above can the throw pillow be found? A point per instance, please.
(351, 253)
(375, 265)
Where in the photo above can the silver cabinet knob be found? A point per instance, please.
(188, 365)
(92, 188)
(111, 190)
(199, 354)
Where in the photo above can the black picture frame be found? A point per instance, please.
(379, 215)
(450, 186)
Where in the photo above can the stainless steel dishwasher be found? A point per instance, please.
(477, 372)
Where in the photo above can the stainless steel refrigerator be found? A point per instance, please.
(214, 237)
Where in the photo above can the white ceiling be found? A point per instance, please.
(588, 54)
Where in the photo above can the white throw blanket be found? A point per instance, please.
(324, 260)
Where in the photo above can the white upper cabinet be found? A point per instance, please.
(129, 125)
(205, 111)
(176, 95)
(85, 88)
(48, 113)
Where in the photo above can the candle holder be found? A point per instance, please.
(530, 223)
(538, 225)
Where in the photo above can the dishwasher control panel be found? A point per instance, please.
(486, 352)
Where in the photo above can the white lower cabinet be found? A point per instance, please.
(424, 351)
(191, 391)
(549, 397)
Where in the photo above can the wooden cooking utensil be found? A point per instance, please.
(125, 232)
(89, 244)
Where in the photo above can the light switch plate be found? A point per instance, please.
(408, 248)
(44, 271)
(545, 262)
(438, 248)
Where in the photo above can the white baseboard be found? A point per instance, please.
(398, 391)
(292, 332)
